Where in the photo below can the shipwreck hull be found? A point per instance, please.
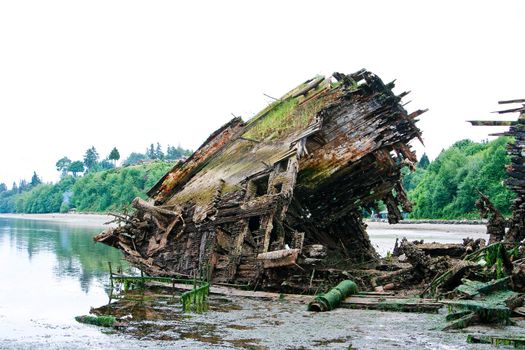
(282, 195)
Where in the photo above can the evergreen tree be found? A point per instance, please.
(14, 189)
(114, 155)
(423, 162)
(91, 158)
(3, 187)
(172, 153)
(76, 167)
(22, 186)
(150, 152)
(158, 152)
(35, 180)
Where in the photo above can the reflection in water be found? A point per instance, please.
(51, 272)
(74, 251)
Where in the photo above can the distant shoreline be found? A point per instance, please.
(88, 219)
(100, 219)
(432, 222)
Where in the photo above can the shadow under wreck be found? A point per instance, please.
(276, 202)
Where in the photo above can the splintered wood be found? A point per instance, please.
(278, 200)
(515, 181)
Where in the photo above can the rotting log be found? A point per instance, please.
(298, 174)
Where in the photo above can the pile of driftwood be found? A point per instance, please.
(478, 282)
(132, 232)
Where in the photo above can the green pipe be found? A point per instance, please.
(334, 297)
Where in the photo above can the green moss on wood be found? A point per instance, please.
(196, 300)
(285, 118)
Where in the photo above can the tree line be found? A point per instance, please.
(448, 187)
(91, 184)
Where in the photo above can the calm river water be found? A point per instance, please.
(53, 271)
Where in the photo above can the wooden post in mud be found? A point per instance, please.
(110, 281)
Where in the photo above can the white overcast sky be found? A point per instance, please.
(76, 74)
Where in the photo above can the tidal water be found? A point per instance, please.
(51, 272)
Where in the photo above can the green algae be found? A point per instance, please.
(517, 342)
(102, 321)
(196, 300)
(490, 305)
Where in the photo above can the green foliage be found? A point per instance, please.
(114, 154)
(155, 153)
(106, 164)
(35, 180)
(44, 198)
(134, 158)
(63, 165)
(115, 189)
(150, 152)
(96, 191)
(64, 207)
(158, 152)
(103, 187)
(91, 158)
(174, 153)
(7, 200)
(76, 167)
(448, 187)
(424, 162)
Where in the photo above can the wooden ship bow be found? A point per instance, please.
(270, 201)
